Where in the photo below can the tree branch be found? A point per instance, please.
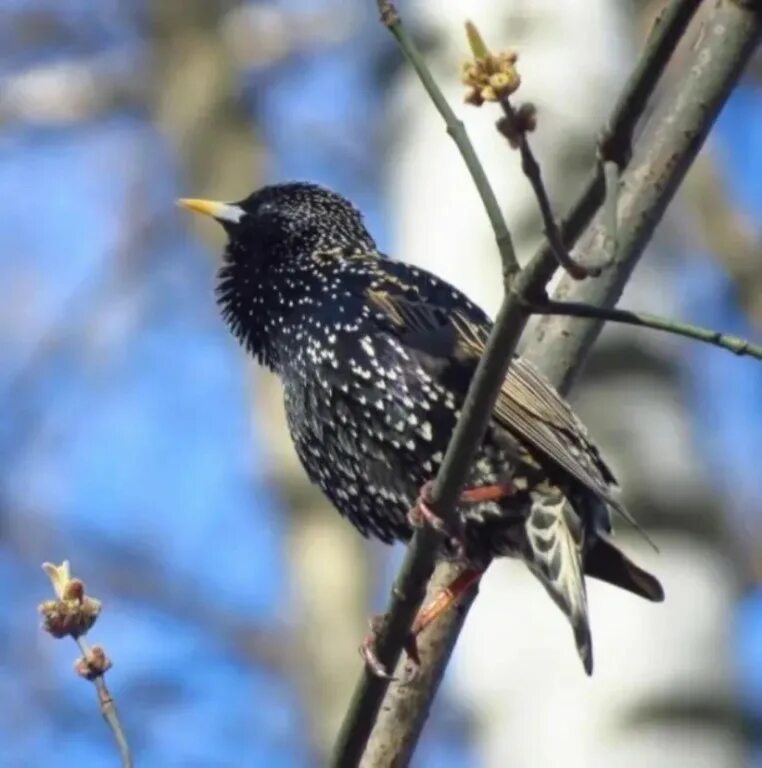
(459, 135)
(661, 158)
(734, 344)
(679, 129)
(615, 139)
(91, 667)
(409, 586)
(404, 712)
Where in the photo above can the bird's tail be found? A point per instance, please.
(555, 538)
(605, 562)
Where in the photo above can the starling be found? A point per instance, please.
(375, 357)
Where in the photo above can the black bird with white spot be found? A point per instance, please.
(375, 358)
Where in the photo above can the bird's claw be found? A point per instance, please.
(370, 657)
(422, 514)
(368, 652)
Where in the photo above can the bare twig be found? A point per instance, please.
(93, 666)
(616, 137)
(734, 344)
(719, 60)
(457, 131)
(512, 128)
(72, 614)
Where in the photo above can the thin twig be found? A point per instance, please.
(510, 126)
(457, 131)
(735, 344)
(72, 614)
(615, 138)
(108, 707)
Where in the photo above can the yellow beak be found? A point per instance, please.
(217, 210)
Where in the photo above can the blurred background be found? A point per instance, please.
(139, 442)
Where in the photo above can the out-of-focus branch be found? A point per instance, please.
(197, 103)
(652, 178)
(734, 344)
(72, 614)
(663, 155)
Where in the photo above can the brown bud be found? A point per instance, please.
(508, 127)
(94, 665)
(73, 589)
(474, 98)
(69, 618)
(526, 117)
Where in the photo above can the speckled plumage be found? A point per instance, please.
(375, 358)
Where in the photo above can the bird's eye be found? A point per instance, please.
(266, 209)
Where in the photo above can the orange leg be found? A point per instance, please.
(445, 600)
(442, 603)
(422, 513)
(481, 493)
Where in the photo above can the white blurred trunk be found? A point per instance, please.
(662, 693)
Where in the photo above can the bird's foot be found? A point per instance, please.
(369, 653)
(442, 602)
(445, 599)
(422, 514)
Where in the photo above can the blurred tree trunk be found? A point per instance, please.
(663, 692)
(198, 105)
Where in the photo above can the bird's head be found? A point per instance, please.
(276, 274)
(284, 222)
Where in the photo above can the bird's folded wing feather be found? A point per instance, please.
(527, 406)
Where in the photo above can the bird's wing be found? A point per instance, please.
(528, 406)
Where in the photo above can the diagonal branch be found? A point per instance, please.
(409, 586)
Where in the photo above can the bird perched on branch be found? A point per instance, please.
(376, 358)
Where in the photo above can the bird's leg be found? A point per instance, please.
(445, 599)
(442, 602)
(481, 493)
(422, 513)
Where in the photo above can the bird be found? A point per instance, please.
(375, 358)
